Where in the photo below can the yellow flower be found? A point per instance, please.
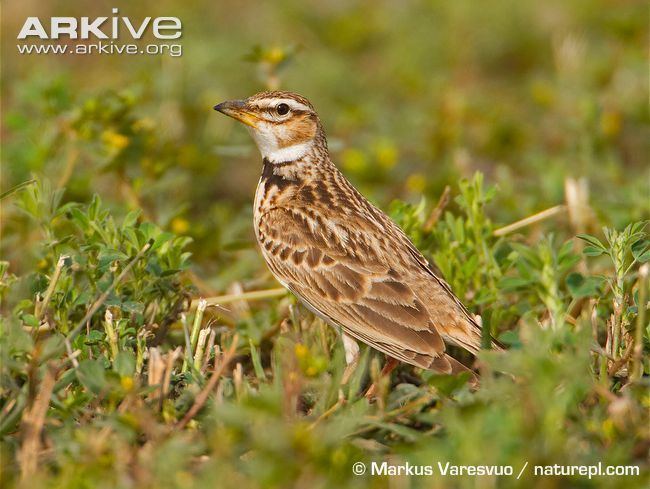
(180, 225)
(416, 183)
(608, 428)
(338, 457)
(275, 55)
(542, 93)
(302, 436)
(301, 351)
(386, 154)
(127, 383)
(354, 160)
(115, 140)
(144, 124)
(610, 123)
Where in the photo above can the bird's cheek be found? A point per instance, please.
(283, 136)
(302, 131)
(296, 134)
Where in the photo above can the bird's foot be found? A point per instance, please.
(349, 370)
(389, 366)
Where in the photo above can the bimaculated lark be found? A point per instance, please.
(345, 259)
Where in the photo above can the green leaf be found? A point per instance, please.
(513, 283)
(566, 258)
(30, 320)
(94, 337)
(124, 363)
(409, 434)
(510, 338)
(132, 306)
(53, 347)
(592, 240)
(641, 250)
(581, 286)
(593, 251)
(257, 361)
(107, 256)
(402, 394)
(16, 188)
(18, 340)
(448, 384)
(92, 375)
(131, 219)
(161, 239)
(80, 219)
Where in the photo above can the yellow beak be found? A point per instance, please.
(237, 110)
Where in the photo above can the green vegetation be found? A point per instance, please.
(125, 200)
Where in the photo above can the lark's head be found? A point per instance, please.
(285, 125)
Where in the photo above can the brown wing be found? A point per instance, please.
(361, 277)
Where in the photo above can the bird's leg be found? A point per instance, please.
(351, 357)
(389, 366)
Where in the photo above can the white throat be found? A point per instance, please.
(267, 143)
(288, 153)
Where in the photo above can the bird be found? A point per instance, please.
(344, 258)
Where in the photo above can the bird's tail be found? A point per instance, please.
(497, 345)
(446, 364)
(474, 333)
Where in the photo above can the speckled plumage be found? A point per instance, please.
(342, 256)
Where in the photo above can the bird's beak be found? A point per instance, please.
(237, 109)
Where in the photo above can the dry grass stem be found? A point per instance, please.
(438, 209)
(238, 380)
(160, 369)
(196, 325)
(208, 349)
(241, 307)
(41, 306)
(576, 194)
(535, 218)
(637, 359)
(170, 359)
(200, 348)
(246, 296)
(32, 425)
(111, 334)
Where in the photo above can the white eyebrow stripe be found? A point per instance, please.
(293, 104)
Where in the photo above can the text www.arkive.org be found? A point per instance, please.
(102, 48)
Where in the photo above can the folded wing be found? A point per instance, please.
(364, 281)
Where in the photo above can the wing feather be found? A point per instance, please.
(358, 291)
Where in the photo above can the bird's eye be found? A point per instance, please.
(282, 109)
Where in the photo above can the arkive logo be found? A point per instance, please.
(163, 28)
(100, 35)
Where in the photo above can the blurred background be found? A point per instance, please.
(413, 95)
(510, 109)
